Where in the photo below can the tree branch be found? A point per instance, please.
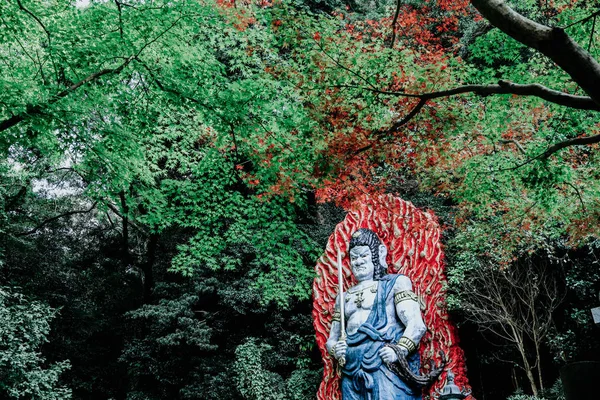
(592, 34)
(40, 23)
(592, 15)
(118, 4)
(554, 43)
(394, 23)
(38, 109)
(118, 213)
(516, 143)
(580, 141)
(398, 124)
(503, 87)
(49, 220)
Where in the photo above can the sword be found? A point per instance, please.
(341, 361)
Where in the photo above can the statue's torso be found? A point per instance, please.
(359, 301)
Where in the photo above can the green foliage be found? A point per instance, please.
(154, 359)
(575, 325)
(255, 381)
(24, 328)
(521, 396)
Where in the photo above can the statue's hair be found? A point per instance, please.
(366, 237)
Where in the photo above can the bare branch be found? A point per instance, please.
(516, 143)
(57, 217)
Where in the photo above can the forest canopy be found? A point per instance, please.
(171, 170)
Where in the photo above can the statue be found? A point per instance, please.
(414, 256)
(384, 325)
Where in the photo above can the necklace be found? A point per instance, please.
(372, 287)
(360, 296)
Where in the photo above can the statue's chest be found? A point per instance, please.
(360, 299)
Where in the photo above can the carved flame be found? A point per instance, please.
(414, 249)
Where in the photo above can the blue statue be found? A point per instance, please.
(383, 327)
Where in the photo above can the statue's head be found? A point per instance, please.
(366, 238)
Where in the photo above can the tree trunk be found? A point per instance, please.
(147, 267)
(125, 228)
(528, 370)
(539, 363)
(531, 378)
(526, 366)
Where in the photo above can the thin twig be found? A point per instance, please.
(578, 195)
(516, 143)
(592, 33)
(118, 3)
(593, 15)
(40, 23)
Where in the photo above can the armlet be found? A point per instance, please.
(405, 295)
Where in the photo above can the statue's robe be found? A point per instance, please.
(365, 376)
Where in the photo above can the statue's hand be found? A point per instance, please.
(388, 355)
(340, 349)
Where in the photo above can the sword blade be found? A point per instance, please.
(341, 295)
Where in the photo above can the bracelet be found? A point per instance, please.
(337, 316)
(408, 344)
(405, 295)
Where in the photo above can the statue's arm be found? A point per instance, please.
(409, 313)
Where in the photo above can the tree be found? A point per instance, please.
(151, 147)
(141, 164)
(498, 162)
(515, 304)
(558, 46)
(79, 121)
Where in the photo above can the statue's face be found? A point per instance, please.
(361, 261)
